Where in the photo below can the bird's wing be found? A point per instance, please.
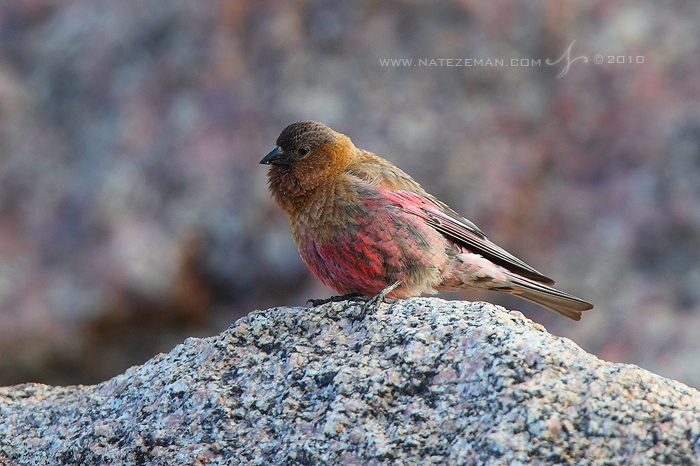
(398, 186)
(460, 230)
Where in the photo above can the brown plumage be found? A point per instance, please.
(361, 225)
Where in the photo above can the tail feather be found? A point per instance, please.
(562, 303)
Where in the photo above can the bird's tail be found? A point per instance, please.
(562, 303)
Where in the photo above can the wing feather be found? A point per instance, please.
(405, 191)
(463, 232)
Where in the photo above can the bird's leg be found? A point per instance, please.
(369, 302)
(376, 300)
(335, 299)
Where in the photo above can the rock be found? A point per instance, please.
(422, 381)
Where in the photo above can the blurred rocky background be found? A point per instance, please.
(133, 211)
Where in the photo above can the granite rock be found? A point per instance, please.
(420, 381)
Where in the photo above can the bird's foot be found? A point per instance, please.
(370, 303)
(335, 299)
(375, 301)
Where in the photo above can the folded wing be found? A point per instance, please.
(462, 231)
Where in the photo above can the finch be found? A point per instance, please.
(365, 227)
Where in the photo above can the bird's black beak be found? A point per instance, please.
(275, 157)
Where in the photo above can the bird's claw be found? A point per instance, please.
(373, 302)
(370, 303)
(334, 299)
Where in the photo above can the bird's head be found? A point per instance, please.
(307, 154)
(299, 141)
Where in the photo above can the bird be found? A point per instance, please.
(367, 229)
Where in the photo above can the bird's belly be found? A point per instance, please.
(370, 255)
(344, 267)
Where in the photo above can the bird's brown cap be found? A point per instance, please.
(297, 140)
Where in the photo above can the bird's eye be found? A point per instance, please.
(303, 151)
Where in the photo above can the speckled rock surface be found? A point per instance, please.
(422, 381)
